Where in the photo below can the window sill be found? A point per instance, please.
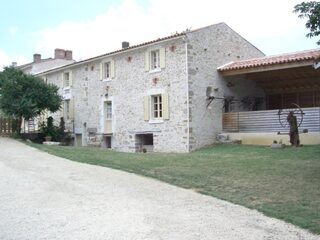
(66, 88)
(155, 70)
(107, 80)
(156, 121)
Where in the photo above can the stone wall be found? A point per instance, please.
(126, 91)
(190, 67)
(209, 48)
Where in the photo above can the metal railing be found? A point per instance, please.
(268, 121)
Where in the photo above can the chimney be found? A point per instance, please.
(36, 58)
(68, 55)
(14, 64)
(59, 53)
(125, 44)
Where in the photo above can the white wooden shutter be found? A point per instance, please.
(162, 57)
(147, 61)
(112, 72)
(70, 79)
(165, 106)
(101, 71)
(146, 107)
(62, 80)
(71, 109)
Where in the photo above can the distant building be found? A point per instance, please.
(61, 57)
(38, 65)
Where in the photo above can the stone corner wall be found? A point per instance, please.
(209, 48)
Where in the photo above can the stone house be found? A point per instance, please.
(37, 66)
(153, 96)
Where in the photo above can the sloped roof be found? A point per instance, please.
(306, 55)
(122, 50)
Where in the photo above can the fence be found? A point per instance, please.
(268, 121)
(7, 126)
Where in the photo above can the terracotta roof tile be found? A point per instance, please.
(120, 50)
(312, 54)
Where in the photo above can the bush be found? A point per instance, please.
(48, 129)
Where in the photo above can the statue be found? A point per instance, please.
(294, 132)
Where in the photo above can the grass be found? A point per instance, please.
(281, 183)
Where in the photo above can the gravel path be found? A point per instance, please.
(47, 197)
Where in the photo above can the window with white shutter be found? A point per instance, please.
(107, 70)
(155, 60)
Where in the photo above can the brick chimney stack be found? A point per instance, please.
(59, 53)
(68, 55)
(36, 58)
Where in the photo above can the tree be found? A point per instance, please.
(26, 96)
(311, 11)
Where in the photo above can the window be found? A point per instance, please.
(107, 70)
(108, 110)
(66, 79)
(156, 106)
(108, 117)
(155, 59)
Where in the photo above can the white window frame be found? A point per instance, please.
(154, 60)
(108, 110)
(65, 86)
(107, 70)
(156, 107)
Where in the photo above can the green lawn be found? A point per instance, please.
(282, 183)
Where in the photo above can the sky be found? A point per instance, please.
(95, 27)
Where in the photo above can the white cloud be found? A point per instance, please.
(267, 24)
(6, 59)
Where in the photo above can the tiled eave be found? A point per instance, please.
(269, 63)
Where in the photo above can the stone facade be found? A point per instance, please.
(209, 48)
(188, 64)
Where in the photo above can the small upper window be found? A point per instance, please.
(66, 79)
(107, 70)
(155, 59)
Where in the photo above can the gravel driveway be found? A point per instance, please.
(47, 197)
